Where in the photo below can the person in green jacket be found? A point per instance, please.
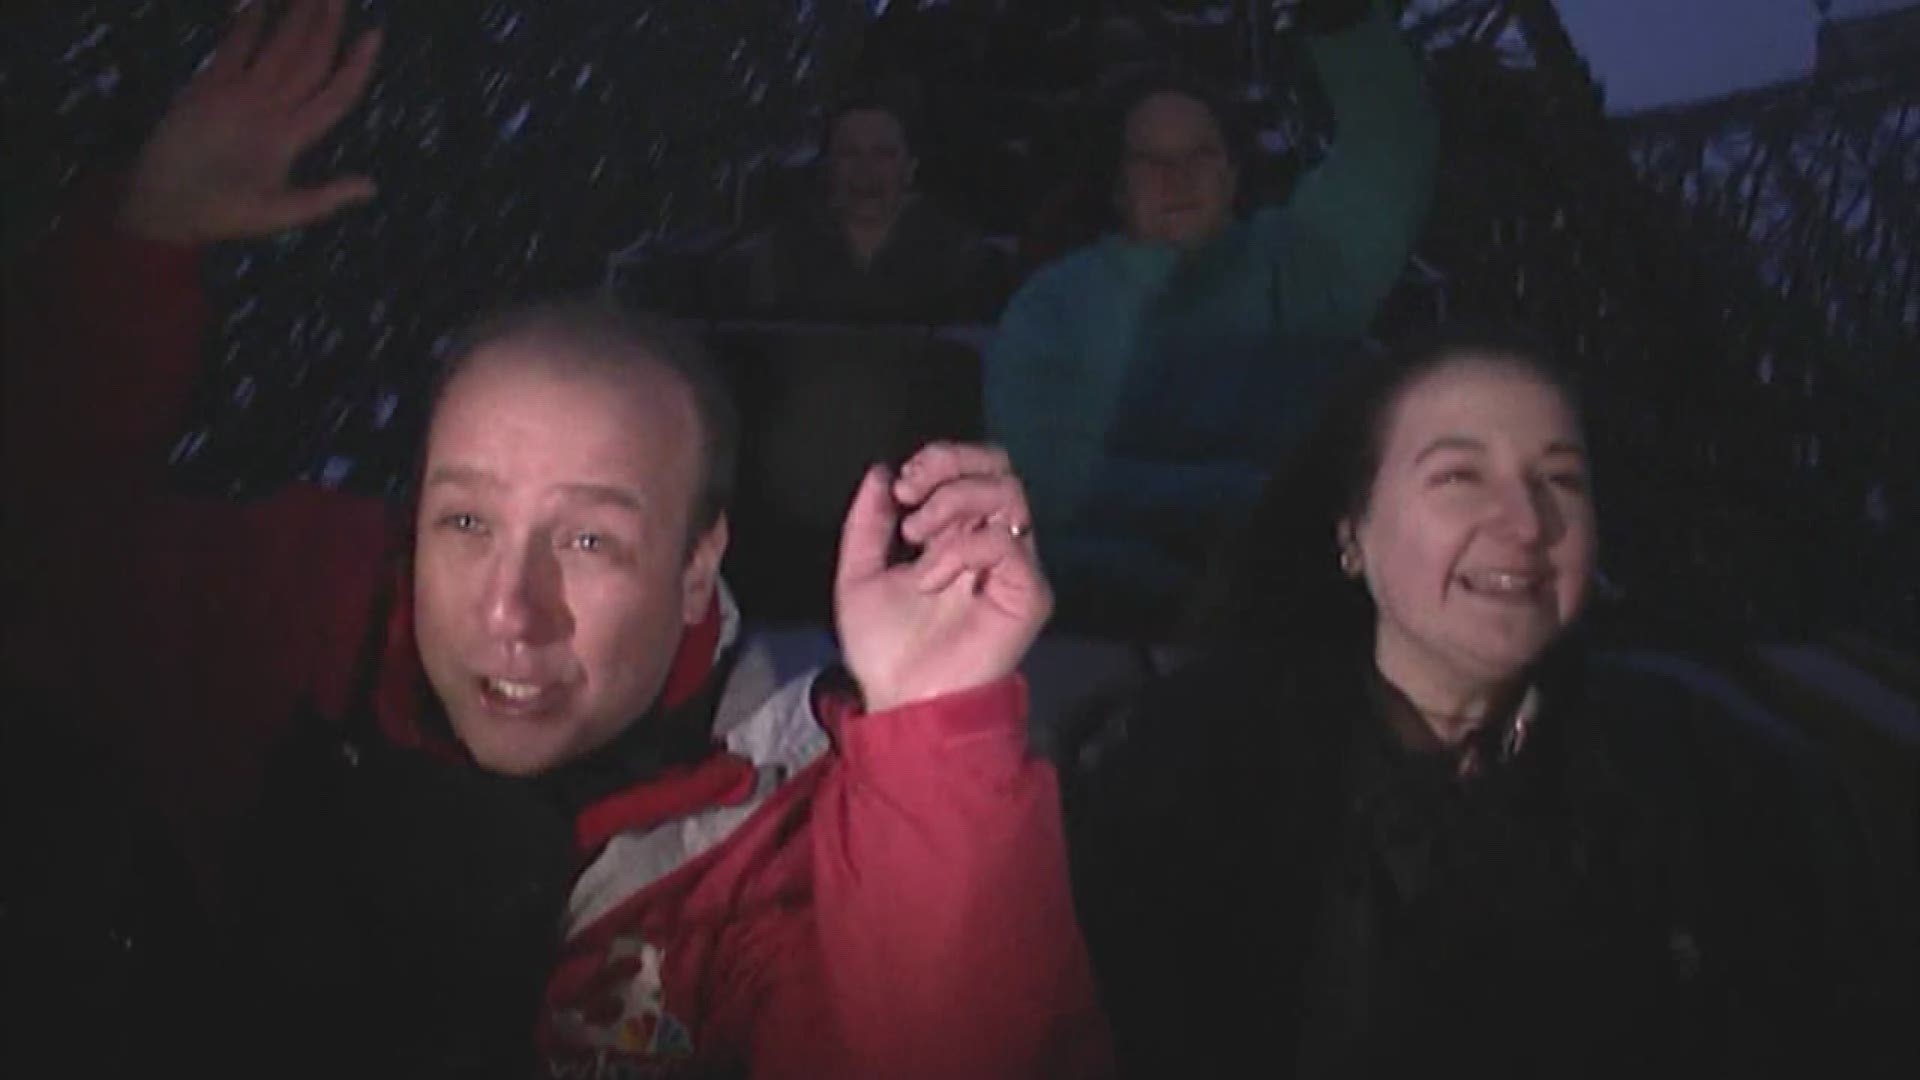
(1141, 383)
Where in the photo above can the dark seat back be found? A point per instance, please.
(819, 404)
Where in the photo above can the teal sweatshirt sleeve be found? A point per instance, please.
(1341, 240)
(1037, 401)
(1155, 496)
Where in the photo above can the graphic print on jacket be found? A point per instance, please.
(666, 915)
(624, 1010)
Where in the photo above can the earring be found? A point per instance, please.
(1350, 561)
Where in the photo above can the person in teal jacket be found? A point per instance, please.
(1141, 383)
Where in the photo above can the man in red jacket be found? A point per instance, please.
(853, 876)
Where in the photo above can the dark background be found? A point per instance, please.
(1735, 278)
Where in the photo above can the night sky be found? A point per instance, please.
(1655, 52)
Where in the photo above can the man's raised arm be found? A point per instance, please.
(181, 630)
(109, 311)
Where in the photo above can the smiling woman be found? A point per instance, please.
(1455, 468)
(1413, 809)
(1476, 536)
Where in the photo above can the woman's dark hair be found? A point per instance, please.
(599, 334)
(1281, 580)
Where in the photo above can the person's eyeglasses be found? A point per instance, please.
(1160, 163)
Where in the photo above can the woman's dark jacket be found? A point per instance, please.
(1271, 882)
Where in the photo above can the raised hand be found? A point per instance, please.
(964, 611)
(216, 166)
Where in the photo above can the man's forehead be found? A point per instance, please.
(518, 405)
(621, 376)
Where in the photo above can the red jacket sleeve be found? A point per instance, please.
(103, 330)
(946, 928)
(184, 629)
